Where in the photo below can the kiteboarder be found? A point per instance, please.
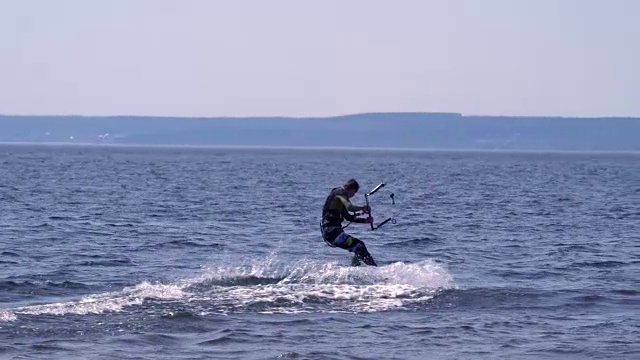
(336, 209)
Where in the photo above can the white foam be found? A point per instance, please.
(304, 286)
(6, 316)
(311, 286)
(97, 304)
(270, 267)
(326, 298)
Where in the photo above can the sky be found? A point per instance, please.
(320, 58)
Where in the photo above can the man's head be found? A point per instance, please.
(352, 187)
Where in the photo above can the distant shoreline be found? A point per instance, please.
(314, 148)
(391, 131)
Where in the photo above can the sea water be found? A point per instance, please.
(116, 252)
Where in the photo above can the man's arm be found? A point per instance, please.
(348, 205)
(351, 207)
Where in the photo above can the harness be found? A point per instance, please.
(330, 216)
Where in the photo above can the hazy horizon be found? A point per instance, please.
(7, 115)
(302, 59)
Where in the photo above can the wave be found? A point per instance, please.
(308, 286)
(97, 304)
(413, 243)
(270, 286)
(524, 299)
(31, 286)
(9, 253)
(604, 264)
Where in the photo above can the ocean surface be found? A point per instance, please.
(210, 253)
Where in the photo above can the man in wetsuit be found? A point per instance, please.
(336, 209)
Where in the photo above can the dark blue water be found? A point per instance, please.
(185, 253)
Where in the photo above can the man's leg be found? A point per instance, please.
(356, 246)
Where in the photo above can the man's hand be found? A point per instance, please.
(368, 220)
(366, 208)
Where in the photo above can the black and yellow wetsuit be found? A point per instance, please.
(336, 209)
